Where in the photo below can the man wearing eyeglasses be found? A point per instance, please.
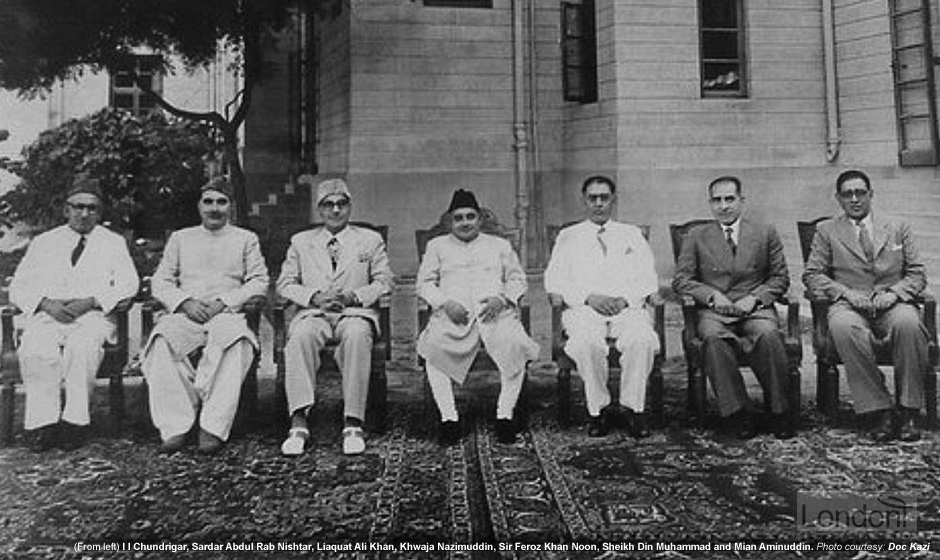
(68, 282)
(734, 268)
(473, 282)
(868, 265)
(336, 273)
(207, 273)
(604, 271)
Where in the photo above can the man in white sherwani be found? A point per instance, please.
(336, 273)
(604, 271)
(473, 282)
(207, 273)
(70, 279)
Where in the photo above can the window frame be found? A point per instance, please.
(741, 60)
(143, 65)
(585, 65)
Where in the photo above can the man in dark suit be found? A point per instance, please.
(735, 270)
(869, 267)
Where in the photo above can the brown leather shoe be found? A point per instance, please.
(884, 430)
(173, 444)
(209, 444)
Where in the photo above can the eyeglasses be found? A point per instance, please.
(605, 197)
(859, 194)
(216, 201)
(726, 199)
(90, 208)
(468, 217)
(338, 204)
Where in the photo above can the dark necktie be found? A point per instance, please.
(333, 247)
(78, 250)
(864, 239)
(600, 239)
(729, 237)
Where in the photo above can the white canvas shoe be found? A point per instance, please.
(296, 442)
(353, 441)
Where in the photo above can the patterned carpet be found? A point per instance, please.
(686, 484)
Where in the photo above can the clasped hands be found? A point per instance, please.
(201, 311)
(607, 306)
(67, 310)
(741, 308)
(333, 300)
(492, 307)
(874, 303)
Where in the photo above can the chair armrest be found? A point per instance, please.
(659, 320)
(9, 363)
(689, 313)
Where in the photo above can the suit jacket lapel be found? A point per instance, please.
(881, 236)
(845, 231)
(747, 241)
(719, 244)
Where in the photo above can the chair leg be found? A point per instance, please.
(564, 396)
(793, 394)
(431, 414)
(827, 387)
(377, 406)
(116, 401)
(655, 392)
(248, 400)
(7, 403)
(697, 398)
(930, 395)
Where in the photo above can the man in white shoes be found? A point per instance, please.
(473, 282)
(207, 273)
(335, 272)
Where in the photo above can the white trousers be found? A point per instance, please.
(176, 389)
(636, 340)
(443, 390)
(52, 354)
(353, 355)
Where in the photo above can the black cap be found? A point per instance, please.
(463, 199)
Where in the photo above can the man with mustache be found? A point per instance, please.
(473, 282)
(734, 269)
(207, 273)
(868, 265)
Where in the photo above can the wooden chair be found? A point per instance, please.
(377, 402)
(827, 359)
(112, 367)
(565, 364)
(482, 361)
(692, 344)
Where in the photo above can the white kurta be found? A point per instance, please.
(198, 263)
(618, 265)
(53, 352)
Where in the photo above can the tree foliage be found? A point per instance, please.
(150, 168)
(43, 41)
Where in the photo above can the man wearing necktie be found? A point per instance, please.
(734, 269)
(336, 273)
(868, 266)
(604, 271)
(68, 282)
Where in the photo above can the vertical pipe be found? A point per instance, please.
(520, 135)
(834, 133)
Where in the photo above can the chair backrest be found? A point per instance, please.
(554, 229)
(489, 225)
(807, 230)
(677, 233)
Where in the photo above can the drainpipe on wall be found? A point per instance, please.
(520, 133)
(834, 132)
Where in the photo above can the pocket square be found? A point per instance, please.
(896, 247)
(365, 257)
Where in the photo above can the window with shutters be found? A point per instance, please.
(722, 45)
(579, 51)
(914, 93)
(124, 92)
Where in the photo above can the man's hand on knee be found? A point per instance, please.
(57, 309)
(456, 312)
(606, 305)
(884, 301)
(196, 310)
(858, 300)
(492, 307)
(747, 304)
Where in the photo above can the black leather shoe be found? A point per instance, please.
(449, 433)
(639, 425)
(72, 436)
(884, 430)
(597, 425)
(505, 431)
(743, 425)
(42, 439)
(782, 426)
(909, 430)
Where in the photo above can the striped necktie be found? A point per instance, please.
(78, 250)
(729, 237)
(864, 239)
(333, 247)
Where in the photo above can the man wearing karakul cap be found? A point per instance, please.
(207, 273)
(473, 282)
(69, 280)
(335, 273)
